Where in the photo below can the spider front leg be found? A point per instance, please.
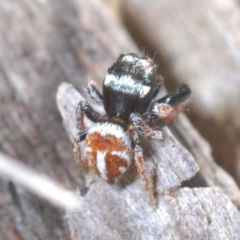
(166, 109)
(83, 108)
(93, 92)
(140, 164)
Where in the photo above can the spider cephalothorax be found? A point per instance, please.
(129, 91)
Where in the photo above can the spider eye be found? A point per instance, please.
(147, 81)
(109, 70)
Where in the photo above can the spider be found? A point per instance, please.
(129, 91)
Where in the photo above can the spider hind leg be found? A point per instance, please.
(83, 108)
(77, 150)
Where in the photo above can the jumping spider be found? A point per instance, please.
(113, 141)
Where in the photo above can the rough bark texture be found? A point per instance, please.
(44, 43)
(186, 214)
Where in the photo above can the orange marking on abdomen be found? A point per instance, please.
(107, 155)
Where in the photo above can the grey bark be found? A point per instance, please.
(44, 43)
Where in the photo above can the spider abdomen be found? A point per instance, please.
(108, 150)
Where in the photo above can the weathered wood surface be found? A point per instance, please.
(44, 43)
(210, 174)
(198, 42)
(123, 211)
(188, 214)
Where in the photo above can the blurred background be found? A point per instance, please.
(44, 43)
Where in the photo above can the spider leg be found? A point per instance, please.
(77, 150)
(140, 125)
(176, 97)
(167, 108)
(93, 92)
(140, 164)
(85, 108)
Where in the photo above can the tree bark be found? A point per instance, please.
(187, 213)
(45, 43)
